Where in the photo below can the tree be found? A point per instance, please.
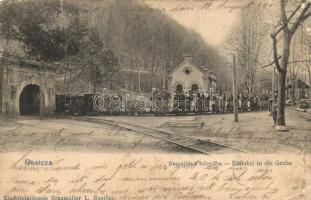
(306, 40)
(38, 27)
(30, 27)
(54, 31)
(282, 36)
(307, 67)
(90, 58)
(297, 62)
(111, 69)
(100, 65)
(248, 43)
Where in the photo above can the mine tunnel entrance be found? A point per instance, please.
(29, 101)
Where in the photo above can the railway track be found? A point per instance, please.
(187, 142)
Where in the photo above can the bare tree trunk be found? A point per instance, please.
(288, 28)
(247, 43)
(74, 79)
(282, 78)
(94, 80)
(309, 74)
(152, 73)
(281, 99)
(65, 77)
(293, 91)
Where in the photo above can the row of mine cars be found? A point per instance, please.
(160, 103)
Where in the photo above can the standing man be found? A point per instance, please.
(274, 108)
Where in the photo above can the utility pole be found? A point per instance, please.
(139, 89)
(2, 87)
(41, 104)
(94, 79)
(1, 84)
(309, 70)
(164, 75)
(235, 100)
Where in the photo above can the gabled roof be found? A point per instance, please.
(301, 84)
(188, 60)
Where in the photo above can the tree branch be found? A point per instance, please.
(288, 20)
(302, 17)
(268, 65)
(275, 53)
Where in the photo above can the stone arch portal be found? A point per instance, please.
(44, 97)
(30, 100)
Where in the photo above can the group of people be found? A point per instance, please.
(195, 101)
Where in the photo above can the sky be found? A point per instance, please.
(211, 23)
(214, 19)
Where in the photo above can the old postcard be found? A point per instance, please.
(155, 99)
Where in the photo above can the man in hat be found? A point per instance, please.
(274, 108)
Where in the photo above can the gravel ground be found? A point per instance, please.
(254, 133)
(70, 135)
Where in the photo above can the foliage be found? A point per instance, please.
(34, 23)
(77, 33)
(101, 65)
(146, 39)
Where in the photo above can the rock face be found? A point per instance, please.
(26, 88)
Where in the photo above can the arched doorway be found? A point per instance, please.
(194, 89)
(29, 100)
(179, 89)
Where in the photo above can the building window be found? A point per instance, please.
(187, 70)
(194, 89)
(179, 89)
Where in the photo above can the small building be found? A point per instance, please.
(297, 89)
(26, 87)
(188, 76)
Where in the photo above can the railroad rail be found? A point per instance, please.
(187, 142)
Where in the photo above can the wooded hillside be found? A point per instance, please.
(141, 39)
